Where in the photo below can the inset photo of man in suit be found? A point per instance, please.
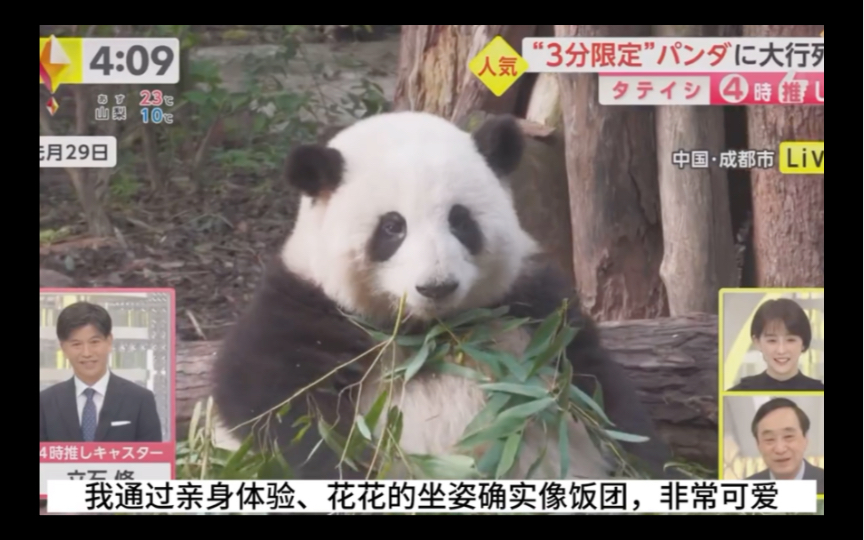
(95, 404)
(785, 434)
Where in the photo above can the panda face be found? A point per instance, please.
(419, 209)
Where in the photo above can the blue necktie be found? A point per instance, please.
(88, 416)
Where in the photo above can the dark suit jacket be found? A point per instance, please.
(810, 473)
(124, 401)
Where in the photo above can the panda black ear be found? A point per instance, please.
(314, 169)
(501, 142)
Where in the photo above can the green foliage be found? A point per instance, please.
(533, 389)
(267, 115)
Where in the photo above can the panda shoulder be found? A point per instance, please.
(542, 289)
(288, 318)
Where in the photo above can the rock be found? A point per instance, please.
(50, 278)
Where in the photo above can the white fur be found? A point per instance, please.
(437, 409)
(420, 165)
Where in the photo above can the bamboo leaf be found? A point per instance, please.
(283, 410)
(489, 462)
(598, 395)
(440, 352)
(302, 431)
(394, 424)
(410, 341)
(627, 437)
(415, 364)
(558, 346)
(476, 315)
(490, 358)
(336, 442)
(513, 366)
(364, 429)
(518, 389)
(513, 324)
(564, 443)
(508, 456)
(488, 414)
(235, 462)
(478, 335)
(453, 467)
(576, 394)
(501, 427)
(567, 376)
(539, 461)
(374, 414)
(543, 336)
(447, 368)
(522, 412)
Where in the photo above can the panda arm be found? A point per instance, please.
(288, 343)
(593, 366)
(537, 295)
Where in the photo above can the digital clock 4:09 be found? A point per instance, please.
(136, 60)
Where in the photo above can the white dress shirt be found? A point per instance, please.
(798, 476)
(98, 398)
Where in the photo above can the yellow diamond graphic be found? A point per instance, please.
(498, 66)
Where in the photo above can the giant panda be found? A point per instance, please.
(407, 204)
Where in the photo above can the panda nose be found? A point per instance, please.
(437, 291)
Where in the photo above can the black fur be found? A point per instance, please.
(314, 169)
(466, 229)
(292, 335)
(387, 238)
(540, 293)
(500, 141)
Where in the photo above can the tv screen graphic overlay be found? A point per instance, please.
(787, 355)
(774, 437)
(107, 378)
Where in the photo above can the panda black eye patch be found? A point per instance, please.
(465, 228)
(388, 237)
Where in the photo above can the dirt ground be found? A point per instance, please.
(209, 247)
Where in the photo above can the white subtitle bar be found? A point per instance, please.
(673, 55)
(419, 496)
(77, 152)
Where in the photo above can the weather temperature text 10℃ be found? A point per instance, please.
(131, 61)
(155, 99)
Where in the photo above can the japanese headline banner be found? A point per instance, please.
(674, 55)
(790, 88)
(421, 496)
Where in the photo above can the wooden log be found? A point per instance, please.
(698, 249)
(788, 209)
(672, 361)
(614, 199)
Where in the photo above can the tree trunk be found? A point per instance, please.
(614, 199)
(92, 189)
(788, 210)
(433, 69)
(673, 363)
(544, 105)
(698, 249)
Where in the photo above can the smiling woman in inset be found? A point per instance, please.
(781, 331)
